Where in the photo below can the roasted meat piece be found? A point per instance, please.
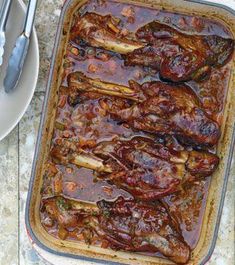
(125, 224)
(103, 32)
(146, 169)
(156, 107)
(179, 56)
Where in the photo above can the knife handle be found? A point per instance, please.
(4, 14)
(28, 24)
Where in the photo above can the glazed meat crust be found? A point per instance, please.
(149, 170)
(125, 224)
(171, 110)
(179, 56)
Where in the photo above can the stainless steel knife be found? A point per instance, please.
(6, 5)
(19, 52)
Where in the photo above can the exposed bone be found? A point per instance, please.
(90, 162)
(102, 32)
(83, 83)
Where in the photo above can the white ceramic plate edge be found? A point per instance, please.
(33, 37)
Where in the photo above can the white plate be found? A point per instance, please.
(14, 105)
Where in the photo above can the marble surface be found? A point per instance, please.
(16, 155)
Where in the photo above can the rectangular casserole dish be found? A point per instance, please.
(217, 189)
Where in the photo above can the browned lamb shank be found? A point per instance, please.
(146, 169)
(125, 224)
(178, 56)
(155, 107)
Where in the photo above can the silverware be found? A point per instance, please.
(3, 21)
(19, 52)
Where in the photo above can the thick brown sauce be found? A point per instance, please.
(87, 121)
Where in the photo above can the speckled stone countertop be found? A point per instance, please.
(16, 155)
